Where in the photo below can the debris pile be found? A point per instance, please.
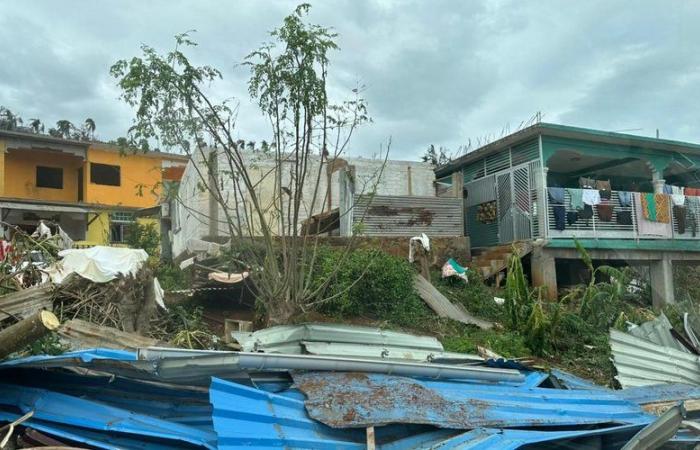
(326, 386)
(654, 353)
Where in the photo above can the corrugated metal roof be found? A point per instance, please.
(656, 434)
(358, 399)
(503, 439)
(657, 331)
(640, 362)
(79, 412)
(658, 393)
(270, 339)
(249, 417)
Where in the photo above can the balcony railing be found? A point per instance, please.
(597, 228)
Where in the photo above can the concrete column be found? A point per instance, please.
(659, 186)
(661, 279)
(543, 272)
(457, 184)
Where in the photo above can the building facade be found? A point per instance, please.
(627, 199)
(91, 190)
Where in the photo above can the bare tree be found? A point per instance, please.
(175, 107)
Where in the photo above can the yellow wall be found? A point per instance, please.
(140, 174)
(20, 175)
(3, 149)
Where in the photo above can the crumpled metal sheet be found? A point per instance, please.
(245, 416)
(352, 399)
(504, 439)
(640, 362)
(658, 331)
(73, 411)
(658, 393)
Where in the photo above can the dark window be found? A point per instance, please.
(105, 174)
(49, 177)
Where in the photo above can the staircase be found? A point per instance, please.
(494, 260)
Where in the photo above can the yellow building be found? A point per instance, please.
(91, 190)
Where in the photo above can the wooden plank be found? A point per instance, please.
(443, 307)
(371, 445)
(26, 302)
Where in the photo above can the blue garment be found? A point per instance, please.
(556, 194)
(668, 189)
(625, 198)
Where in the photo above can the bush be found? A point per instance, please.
(370, 283)
(145, 236)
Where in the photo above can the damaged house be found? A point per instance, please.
(389, 199)
(629, 199)
(93, 191)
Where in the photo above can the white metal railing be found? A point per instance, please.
(597, 228)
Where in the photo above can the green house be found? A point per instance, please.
(550, 184)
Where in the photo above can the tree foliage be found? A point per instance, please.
(175, 107)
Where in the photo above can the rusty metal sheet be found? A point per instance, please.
(354, 399)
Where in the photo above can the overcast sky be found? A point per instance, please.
(436, 72)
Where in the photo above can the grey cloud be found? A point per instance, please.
(435, 72)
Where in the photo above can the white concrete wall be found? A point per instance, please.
(192, 209)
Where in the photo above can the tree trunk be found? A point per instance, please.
(26, 331)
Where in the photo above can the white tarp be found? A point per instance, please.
(98, 264)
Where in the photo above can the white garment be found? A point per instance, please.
(423, 240)
(591, 197)
(678, 195)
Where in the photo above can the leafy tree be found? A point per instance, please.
(36, 126)
(89, 127)
(64, 128)
(436, 157)
(174, 107)
(8, 120)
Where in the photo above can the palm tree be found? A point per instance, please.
(90, 127)
(36, 126)
(64, 128)
(8, 120)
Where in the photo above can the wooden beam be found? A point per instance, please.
(371, 445)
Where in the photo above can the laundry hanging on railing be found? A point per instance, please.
(556, 195)
(648, 227)
(591, 197)
(655, 207)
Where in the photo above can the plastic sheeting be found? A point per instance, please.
(98, 264)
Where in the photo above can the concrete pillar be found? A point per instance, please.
(658, 182)
(457, 184)
(543, 272)
(661, 279)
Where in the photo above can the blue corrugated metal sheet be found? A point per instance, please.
(81, 355)
(359, 399)
(497, 439)
(73, 411)
(245, 417)
(98, 439)
(660, 393)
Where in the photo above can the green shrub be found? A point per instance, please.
(145, 236)
(369, 283)
(170, 277)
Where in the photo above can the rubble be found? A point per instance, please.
(173, 398)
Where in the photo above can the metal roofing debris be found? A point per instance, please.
(640, 362)
(505, 439)
(78, 412)
(358, 399)
(657, 393)
(249, 417)
(657, 331)
(443, 307)
(659, 432)
(690, 324)
(270, 339)
(384, 352)
(223, 363)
